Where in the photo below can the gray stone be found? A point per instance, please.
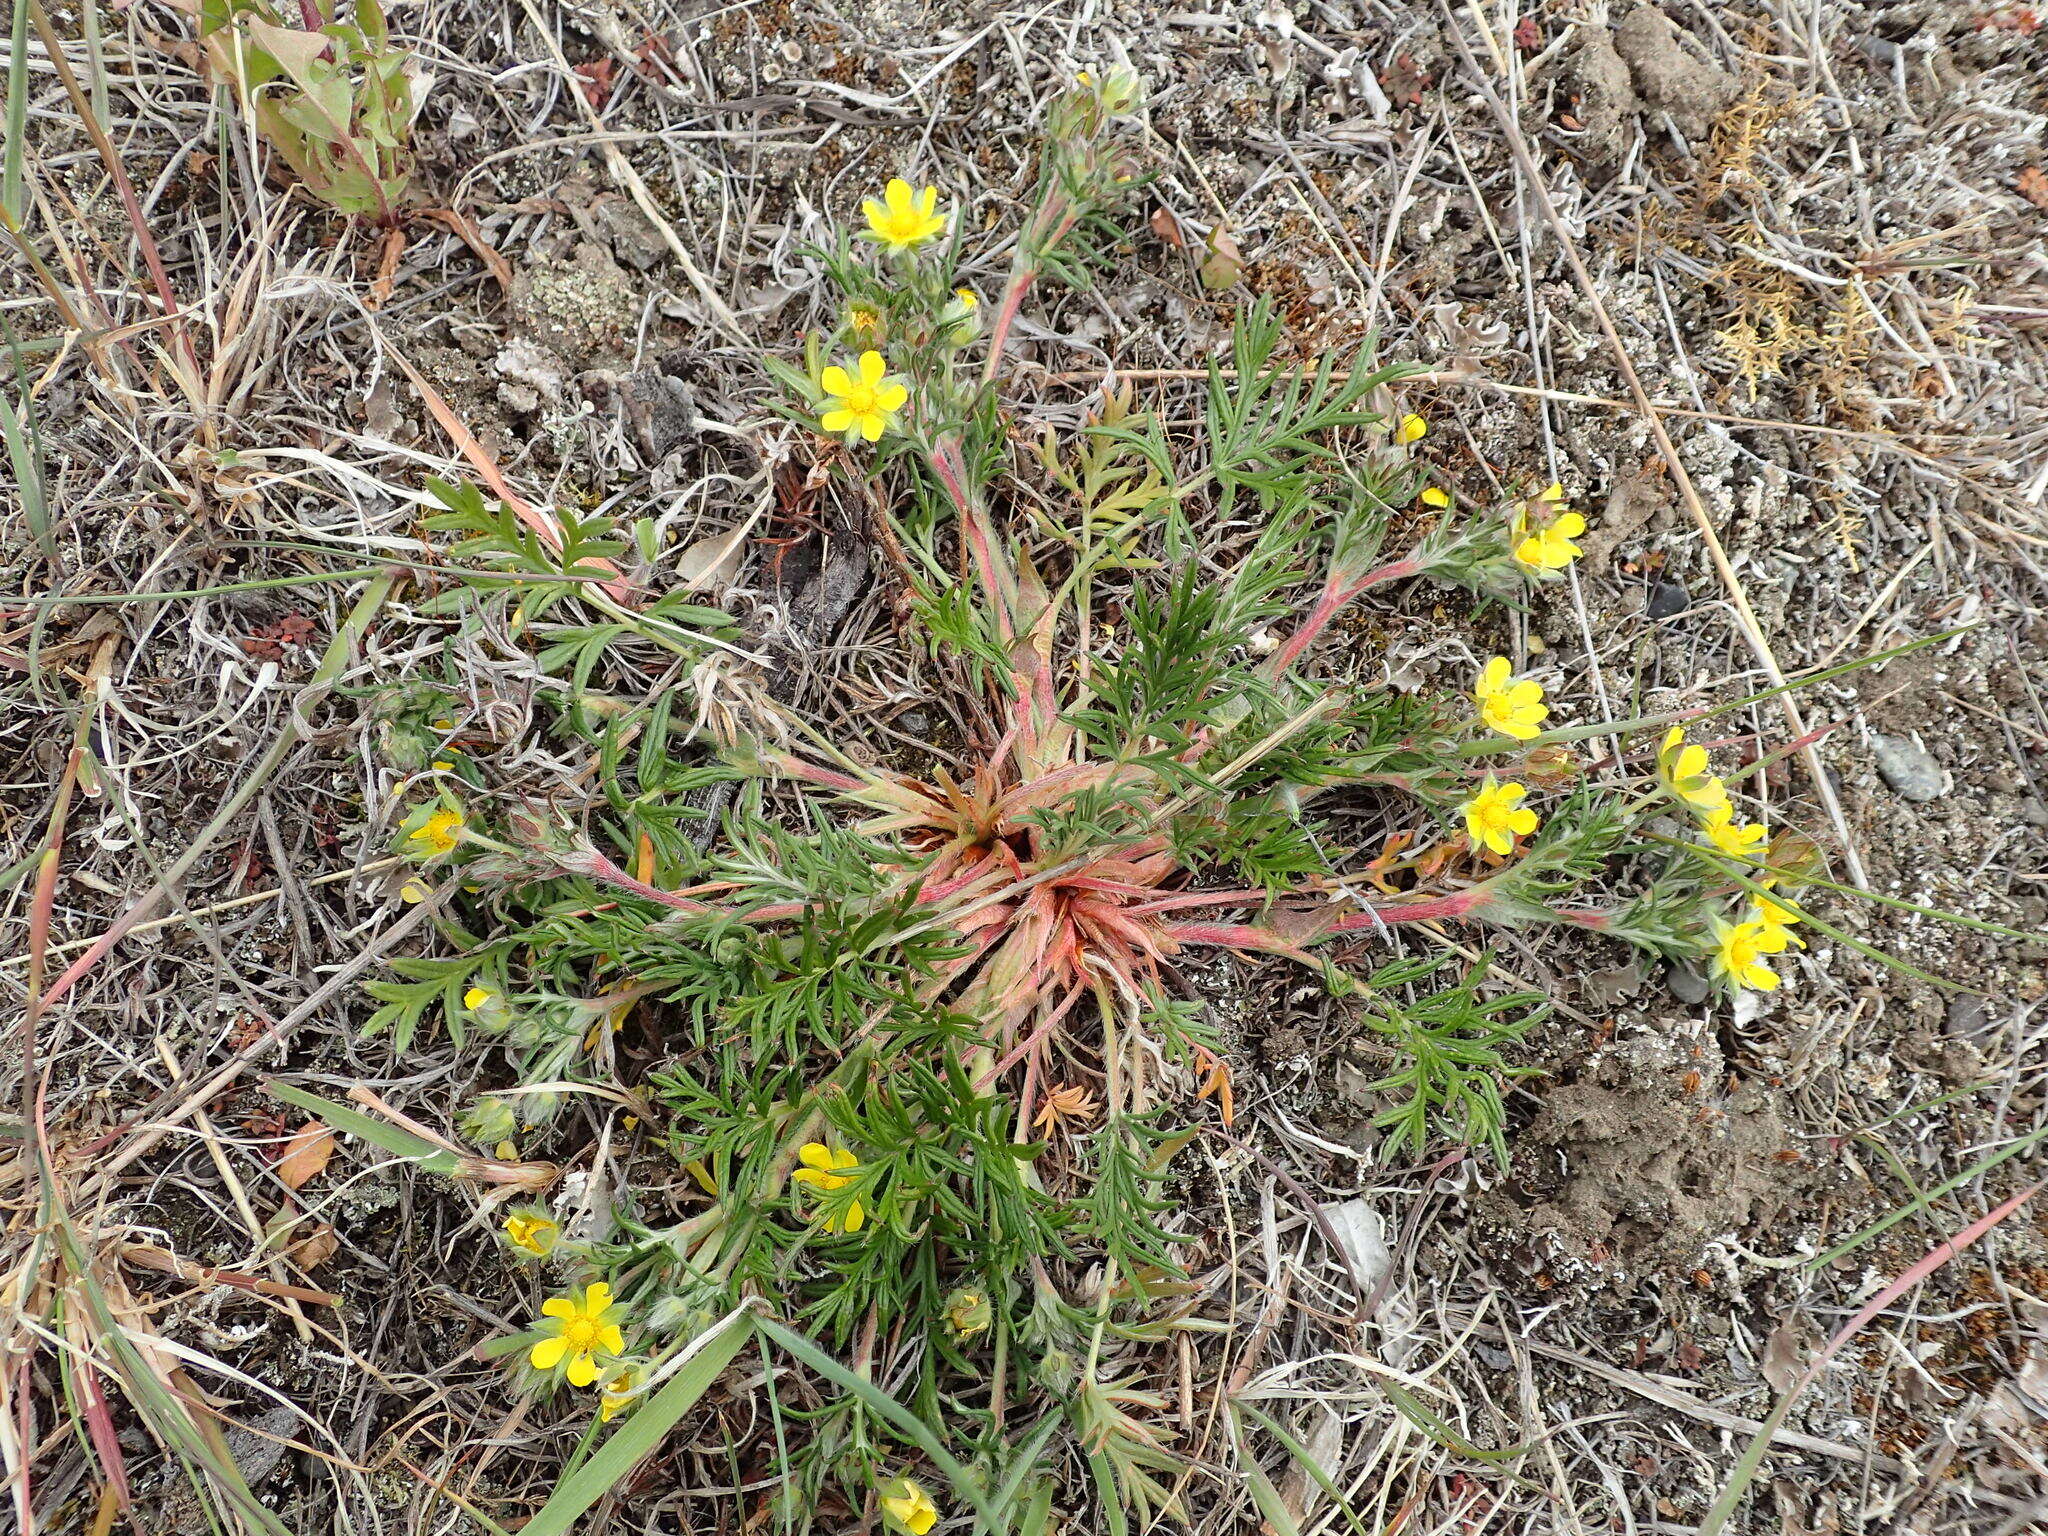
(1668, 600)
(1909, 768)
(1687, 984)
(1607, 989)
(1969, 1016)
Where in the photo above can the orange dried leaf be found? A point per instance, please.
(306, 1154)
(314, 1249)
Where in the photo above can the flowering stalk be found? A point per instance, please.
(1053, 221)
(984, 544)
(1081, 173)
(1338, 591)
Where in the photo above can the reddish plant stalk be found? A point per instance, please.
(1055, 220)
(982, 542)
(1336, 593)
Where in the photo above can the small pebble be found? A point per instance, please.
(1969, 1016)
(1686, 984)
(1909, 768)
(1668, 600)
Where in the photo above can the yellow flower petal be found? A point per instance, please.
(547, 1354)
(1495, 816)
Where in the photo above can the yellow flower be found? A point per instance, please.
(1495, 816)
(532, 1232)
(865, 405)
(904, 219)
(824, 1169)
(619, 1393)
(865, 319)
(966, 298)
(579, 1331)
(908, 1506)
(1735, 838)
(1739, 949)
(1507, 706)
(1689, 774)
(437, 835)
(1410, 428)
(489, 1006)
(1549, 548)
(968, 1312)
(1776, 919)
(1436, 498)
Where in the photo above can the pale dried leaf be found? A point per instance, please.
(711, 562)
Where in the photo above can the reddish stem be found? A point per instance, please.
(1006, 316)
(1061, 216)
(1335, 595)
(1584, 917)
(1429, 910)
(598, 867)
(977, 531)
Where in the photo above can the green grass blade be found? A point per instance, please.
(24, 455)
(1302, 1459)
(1752, 1459)
(17, 117)
(393, 1140)
(1922, 1202)
(704, 1361)
(908, 1424)
(1112, 1504)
